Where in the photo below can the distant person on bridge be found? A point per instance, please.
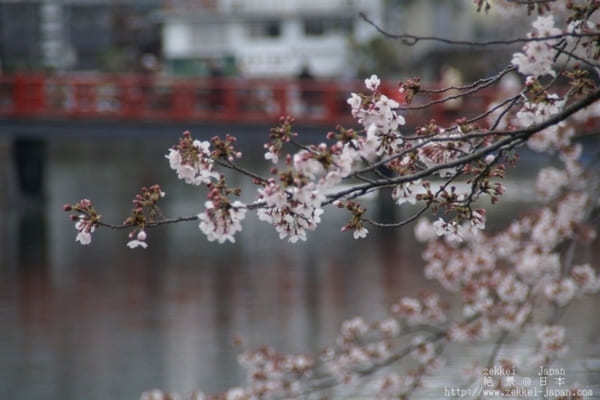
(308, 96)
(216, 96)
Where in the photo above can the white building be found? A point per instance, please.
(265, 38)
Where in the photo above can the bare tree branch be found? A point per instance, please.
(411, 40)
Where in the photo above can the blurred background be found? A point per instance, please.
(93, 93)
(250, 38)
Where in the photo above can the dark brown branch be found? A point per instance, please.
(400, 223)
(503, 113)
(471, 85)
(235, 167)
(166, 221)
(150, 224)
(472, 90)
(531, 2)
(411, 40)
(479, 177)
(561, 50)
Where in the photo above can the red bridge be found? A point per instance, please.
(232, 100)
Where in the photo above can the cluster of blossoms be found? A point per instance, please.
(272, 372)
(452, 231)
(534, 113)
(278, 137)
(538, 56)
(145, 210)
(356, 224)
(86, 219)
(192, 160)
(377, 114)
(407, 192)
(477, 269)
(292, 206)
(393, 385)
(293, 202)
(500, 277)
(584, 19)
(550, 182)
(428, 309)
(362, 348)
(221, 219)
(552, 343)
(330, 163)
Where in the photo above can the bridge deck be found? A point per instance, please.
(216, 100)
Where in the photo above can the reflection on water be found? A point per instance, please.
(107, 322)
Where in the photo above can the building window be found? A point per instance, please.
(269, 29)
(314, 27)
(322, 26)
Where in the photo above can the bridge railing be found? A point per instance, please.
(125, 97)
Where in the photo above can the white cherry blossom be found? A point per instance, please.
(139, 241)
(372, 83)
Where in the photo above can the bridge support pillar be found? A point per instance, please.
(30, 164)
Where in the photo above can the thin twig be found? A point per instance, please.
(400, 223)
(454, 97)
(411, 40)
(471, 85)
(235, 167)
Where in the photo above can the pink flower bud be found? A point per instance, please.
(85, 203)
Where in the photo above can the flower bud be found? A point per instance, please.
(85, 203)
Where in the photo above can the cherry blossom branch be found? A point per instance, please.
(150, 224)
(416, 215)
(515, 137)
(164, 221)
(494, 276)
(331, 382)
(484, 173)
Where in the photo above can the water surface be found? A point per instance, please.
(104, 321)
